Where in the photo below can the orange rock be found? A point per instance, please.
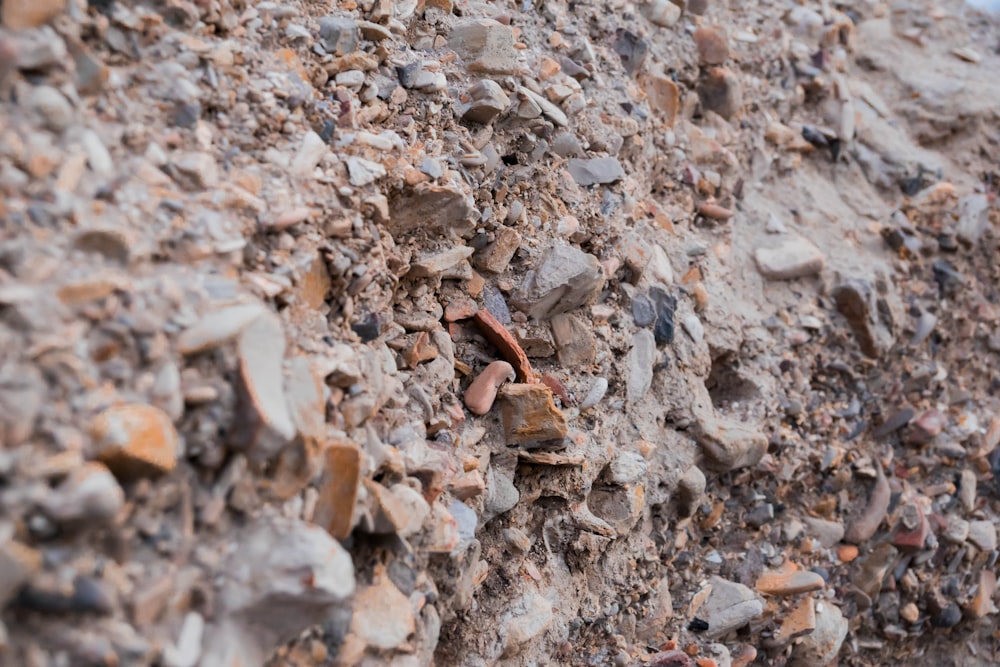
(664, 97)
(847, 552)
(314, 284)
(789, 580)
(339, 489)
(529, 414)
(461, 308)
(20, 14)
(509, 348)
(714, 211)
(420, 350)
(801, 621)
(136, 440)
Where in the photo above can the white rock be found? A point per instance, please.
(792, 258)
(218, 327)
(311, 151)
(639, 365)
(627, 468)
(383, 617)
(531, 617)
(363, 172)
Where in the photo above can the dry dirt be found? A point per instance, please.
(730, 265)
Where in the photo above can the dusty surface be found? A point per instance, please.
(738, 262)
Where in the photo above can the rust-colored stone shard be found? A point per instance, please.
(530, 415)
(339, 489)
(509, 348)
(789, 580)
(136, 440)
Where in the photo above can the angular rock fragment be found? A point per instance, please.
(575, 342)
(661, 12)
(792, 258)
(729, 445)
(266, 424)
(338, 489)
(725, 606)
(18, 564)
(595, 171)
(532, 615)
(135, 440)
(801, 621)
(858, 302)
(485, 45)
(21, 14)
(487, 100)
(22, 392)
(530, 415)
(383, 616)
(276, 565)
(218, 327)
(720, 91)
(664, 95)
(89, 494)
(713, 45)
(566, 278)
(639, 365)
(437, 263)
(431, 208)
(788, 581)
(497, 255)
(338, 35)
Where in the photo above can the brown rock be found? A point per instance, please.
(870, 515)
(575, 341)
(383, 616)
(509, 348)
(858, 302)
(314, 285)
(720, 91)
(496, 256)
(664, 97)
(801, 621)
(299, 462)
(338, 490)
(789, 580)
(485, 45)
(535, 340)
(431, 208)
(912, 530)
(982, 604)
(481, 394)
(713, 46)
(715, 212)
(435, 264)
(21, 14)
(557, 387)
(135, 440)
(530, 415)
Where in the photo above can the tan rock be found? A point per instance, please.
(575, 341)
(713, 45)
(496, 256)
(383, 616)
(18, 563)
(720, 91)
(419, 349)
(338, 489)
(982, 604)
(21, 14)
(801, 621)
(434, 264)
(792, 258)
(314, 284)
(135, 440)
(789, 580)
(530, 414)
(664, 97)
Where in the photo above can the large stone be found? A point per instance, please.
(727, 444)
(135, 440)
(792, 258)
(338, 35)
(20, 14)
(595, 171)
(430, 208)
(821, 646)
(496, 256)
(725, 606)
(713, 45)
(486, 100)
(530, 414)
(383, 616)
(485, 45)
(18, 564)
(566, 278)
(531, 616)
(338, 490)
(281, 576)
(664, 96)
(720, 91)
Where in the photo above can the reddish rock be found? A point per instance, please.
(460, 308)
(912, 530)
(509, 348)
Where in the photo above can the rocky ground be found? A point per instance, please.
(419, 332)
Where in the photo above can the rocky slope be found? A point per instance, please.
(429, 332)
